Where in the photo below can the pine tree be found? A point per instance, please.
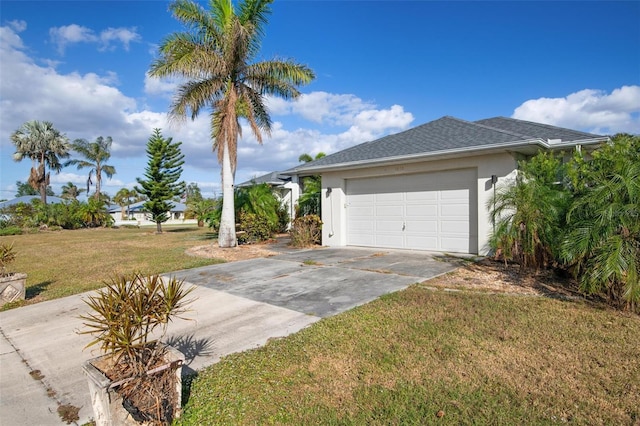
(162, 175)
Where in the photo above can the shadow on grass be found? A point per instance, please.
(177, 230)
(191, 348)
(207, 236)
(34, 290)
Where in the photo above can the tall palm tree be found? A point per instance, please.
(70, 191)
(42, 144)
(95, 154)
(215, 56)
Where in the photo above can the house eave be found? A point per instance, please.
(527, 147)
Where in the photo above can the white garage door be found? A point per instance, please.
(429, 211)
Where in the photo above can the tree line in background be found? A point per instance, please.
(45, 146)
(260, 212)
(581, 215)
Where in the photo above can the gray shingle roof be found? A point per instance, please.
(532, 130)
(273, 179)
(449, 134)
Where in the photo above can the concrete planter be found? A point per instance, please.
(12, 288)
(107, 403)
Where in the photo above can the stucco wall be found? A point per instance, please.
(334, 203)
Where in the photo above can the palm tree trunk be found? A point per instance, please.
(98, 182)
(227, 231)
(42, 176)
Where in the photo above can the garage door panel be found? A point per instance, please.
(391, 240)
(421, 226)
(417, 196)
(458, 210)
(457, 245)
(389, 226)
(458, 227)
(389, 211)
(388, 198)
(455, 194)
(422, 242)
(361, 239)
(363, 225)
(417, 210)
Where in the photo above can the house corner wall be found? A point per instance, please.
(334, 221)
(501, 166)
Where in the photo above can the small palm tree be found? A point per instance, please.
(124, 198)
(93, 213)
(42, 144)
(529, 214)
(215, 58)
(201, 209)
(70, 191)
(309, 201)
(95, 154)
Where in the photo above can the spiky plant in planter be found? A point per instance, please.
(128, 318)
(7, 256)
(12, 284)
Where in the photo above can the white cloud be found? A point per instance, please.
(321, 107)
(123, 35)
(594, 111)
(160, 86)
(376, 121)
(18, 25)
(70, 34)
(66, 177)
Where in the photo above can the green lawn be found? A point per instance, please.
(61, 263)
(472, 358)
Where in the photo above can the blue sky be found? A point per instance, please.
(381, 67)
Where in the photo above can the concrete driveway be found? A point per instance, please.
(237, 306)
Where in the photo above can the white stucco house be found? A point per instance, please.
(137, 214)
(427, 188)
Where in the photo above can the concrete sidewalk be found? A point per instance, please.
(238, 306)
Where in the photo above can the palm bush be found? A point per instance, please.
(262, 211)
(309, 201)
(259, 199)
(603, 242)
(94, 213)
(200, 209)
(529, 215)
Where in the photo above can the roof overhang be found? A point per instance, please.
(524, 147)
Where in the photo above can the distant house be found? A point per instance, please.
(427, 188)
(138, 215)
(284, 187)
